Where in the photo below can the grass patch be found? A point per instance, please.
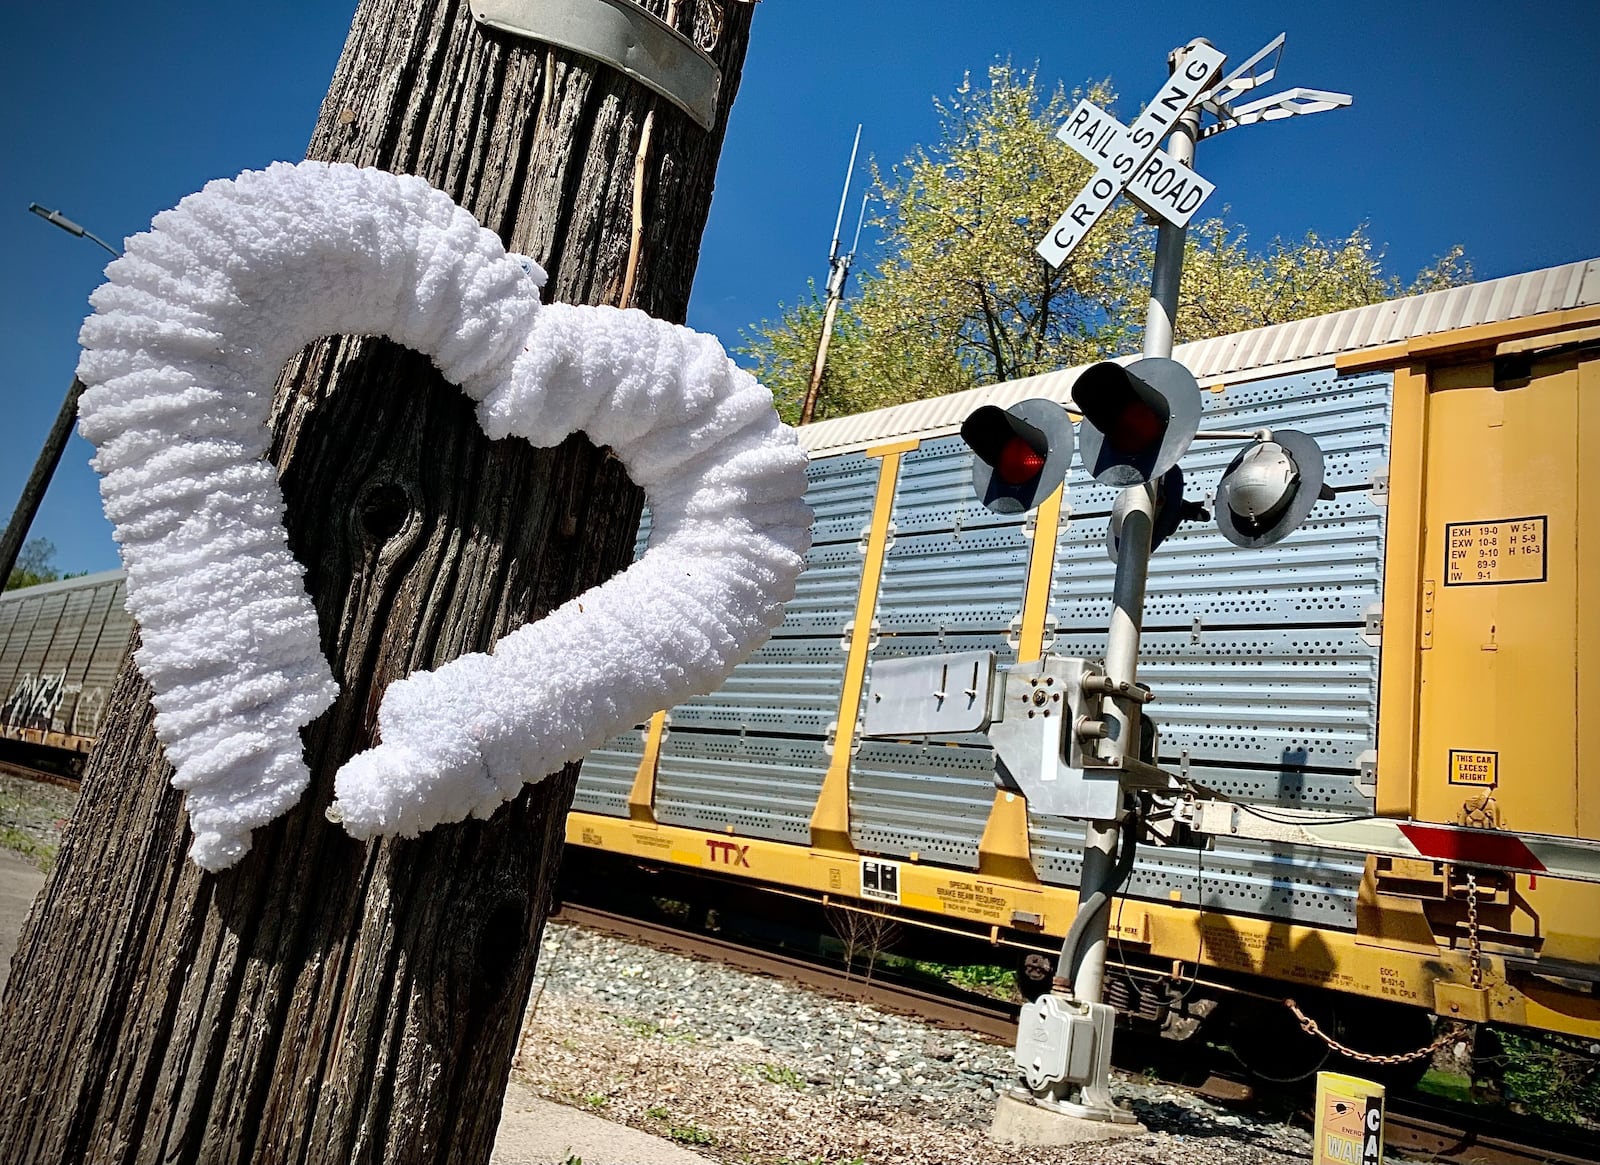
(688, 1134)
(31, 817)
(1446, 1086)
(782, 1074)
(41, 854)
(691, 1135)
(1549, 1079)
(979, 978)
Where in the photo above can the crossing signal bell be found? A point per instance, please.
(1138, 418)
(1267, 492)
(1171, 510)
(1020, 454)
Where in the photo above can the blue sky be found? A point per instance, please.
(1473, 123)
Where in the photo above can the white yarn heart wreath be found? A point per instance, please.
(180, 359)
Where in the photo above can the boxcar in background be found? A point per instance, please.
(60, 646)
(1342, 669)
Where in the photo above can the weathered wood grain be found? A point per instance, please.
(326, 1000)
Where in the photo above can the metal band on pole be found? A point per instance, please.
(622, 34)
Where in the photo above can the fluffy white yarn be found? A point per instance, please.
(180, 361)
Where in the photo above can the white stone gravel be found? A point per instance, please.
(749, 1069)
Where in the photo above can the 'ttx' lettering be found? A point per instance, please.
(731, 853)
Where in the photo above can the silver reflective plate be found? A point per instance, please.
(930, 695)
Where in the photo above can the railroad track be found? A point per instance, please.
(13, 768)
(1415, 1127)
(993, 1019)
(1430, 1133)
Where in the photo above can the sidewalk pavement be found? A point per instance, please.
(20, 882)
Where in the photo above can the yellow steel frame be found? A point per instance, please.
(1392, 955)
(830, 820)
(1170, 932)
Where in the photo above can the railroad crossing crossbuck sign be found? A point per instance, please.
(1129, 159)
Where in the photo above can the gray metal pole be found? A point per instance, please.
(38, 481)
(1168, 272)
(56, 443)
(1122, 723)
(1133, 563)
(838, 269)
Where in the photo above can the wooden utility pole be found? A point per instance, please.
(326, 1000)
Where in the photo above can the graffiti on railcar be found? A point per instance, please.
(34, 701)
(86, 716)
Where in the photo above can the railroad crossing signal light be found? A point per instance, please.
(1020, 454)
(1138, 419)
(1267, 492)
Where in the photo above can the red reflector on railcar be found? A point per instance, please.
(1471, 847)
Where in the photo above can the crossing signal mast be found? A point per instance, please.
(1070, 734)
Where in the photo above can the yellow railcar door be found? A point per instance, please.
(1505, 622)
(1499, 628)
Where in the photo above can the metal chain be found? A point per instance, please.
(1310, 1025)
(1474, 945)
(1440, 1041)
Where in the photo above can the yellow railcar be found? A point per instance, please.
(1422, 648)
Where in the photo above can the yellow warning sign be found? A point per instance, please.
(1511, 550)
(1474, 768)
(1349, 1121)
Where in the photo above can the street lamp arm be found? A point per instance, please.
(58, 219)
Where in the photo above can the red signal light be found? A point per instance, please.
(1019, 462)
(1136, 428)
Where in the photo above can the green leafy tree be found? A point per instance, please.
(960, 298)
(1227, 287)
(35, 564)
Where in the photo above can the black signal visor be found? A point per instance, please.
(1132, 415)
(990, 431)
(1020, 454)
(1137, 420)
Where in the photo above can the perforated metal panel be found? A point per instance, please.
(1291, 698)
(757, 786)
(839, 491)
(750, 756)
(608, 774)
(1328, 572)
(609, 771)
(953, 580)
(1266, 688)
(1288, 882)
(789, 686)
(931, 799)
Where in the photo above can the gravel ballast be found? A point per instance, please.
(32, 814)
(748, 1069)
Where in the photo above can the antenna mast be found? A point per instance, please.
(838, 270)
